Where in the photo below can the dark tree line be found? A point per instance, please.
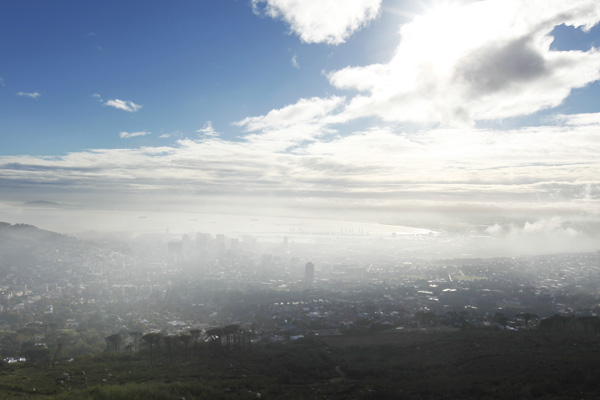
(571, 324)
(160, 347)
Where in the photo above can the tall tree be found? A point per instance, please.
(215, 336)
(153, 341)
(114, 342)
(59, 347)
(526, 317)
(137, 339)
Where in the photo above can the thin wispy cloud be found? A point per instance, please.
(124, 105)
(576, 119)
(33, 95)
(286, 127)
(129, 135)
(312, 110)
(321, 21)
(295, 63)
(2, 83)
(171, 135)
(208, 130)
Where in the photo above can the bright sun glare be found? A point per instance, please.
(440, 31)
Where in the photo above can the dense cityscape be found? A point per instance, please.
(57, 288)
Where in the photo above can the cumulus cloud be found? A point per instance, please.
(483, 61)
(128, 135)
(124, 105)
(33, 95)
(321, 21)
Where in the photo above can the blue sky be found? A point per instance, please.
(185, 62)
(474, 116)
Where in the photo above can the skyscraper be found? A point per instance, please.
(309, 273)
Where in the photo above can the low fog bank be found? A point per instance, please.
(419, 234)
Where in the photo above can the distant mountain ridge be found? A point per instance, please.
(26, 245)
(46, 204)
(20, 230)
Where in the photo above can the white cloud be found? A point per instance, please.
(96, 96)
(294, 124)
(546, 235)
(549, 226)
(529, 172)
(321, 21)
(33, 95)
(295, 62)
(483, 61)
(578, 119)
(313, 110)
(495, 229)
(124, 105)
(171, 135)
(128, 135)
(208, 130)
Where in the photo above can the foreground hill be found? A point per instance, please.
(468, 364)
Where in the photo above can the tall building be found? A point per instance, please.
(202, 240)
(309, 273)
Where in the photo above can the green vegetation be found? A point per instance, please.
(413, 364)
